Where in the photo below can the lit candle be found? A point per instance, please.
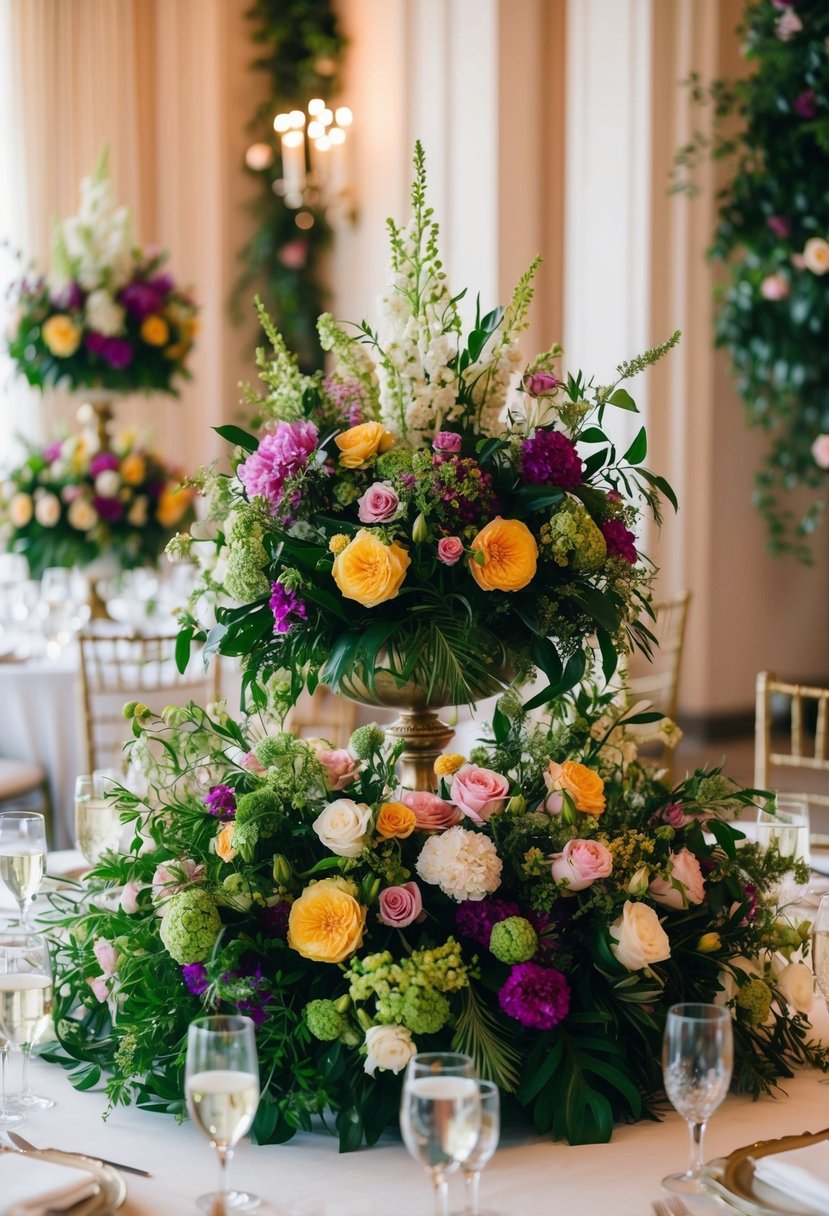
(323, 147)
(293, 166)
(339, 174)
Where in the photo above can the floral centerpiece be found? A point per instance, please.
(540, 912)
(409, 517)
(70, 503)
(108, 316)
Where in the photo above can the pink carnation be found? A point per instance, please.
(400, 906)
(479, 792)
(379, 503)
(433, 814)
(450, 550)
(340, 767)
(280, 454)
(173, 876)
(128, 899)
(99, 987)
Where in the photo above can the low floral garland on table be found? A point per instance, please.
(540, 912)
(109, 316)
(68, 504)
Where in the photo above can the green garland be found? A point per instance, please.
(300, 48)
(772, 310)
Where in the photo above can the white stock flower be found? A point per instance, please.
(342, 826)
(103, 314)
(637, 937)
(82, 515)
(47, 510)
(464, 864)
(389, 1048)
(797, 985)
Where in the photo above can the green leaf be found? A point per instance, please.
(638, 450)
(183, 642)
(350, 1129)
(540, 1069)
(533, 498)
(610, 656)
(214, 642)
(659, 483)
(623, 400)
(235, 435)
(545, 656)
(592, 434)
(484, 1036)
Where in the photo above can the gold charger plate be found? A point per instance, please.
(733, 1178)
(112, 1189)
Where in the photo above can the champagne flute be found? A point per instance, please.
(22, 856)
(440, 1116)
(97, 820)
(697, 1059)
(25, 1004)
(222, 1090)
(485, 1147)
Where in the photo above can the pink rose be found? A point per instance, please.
(400, 906)
(450, 550)
(250, 762)
(107, 956)
(447, 441)
(540, 383)
(685, 869)
(798, 261)
(128, 900)
(479, 792)
(294, 254)
(99, 987)
(379, 503)
(580, 863)
(340, 768)
(774, 287)
(433, 814)
(173, 876)
(820, 451)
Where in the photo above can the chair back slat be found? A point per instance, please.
(805, 753)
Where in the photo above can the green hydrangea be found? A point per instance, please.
(259, 816)
(245, 578)
(424, 1010)
(190, 925)
(324, 1020)
(273, 749)
(435, 971)
(346, 491)
(572, 538)
(366, 740)
(513, 940)
(754, 999)
(236, 892)
(391, 464)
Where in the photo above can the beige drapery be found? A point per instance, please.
(165, 84)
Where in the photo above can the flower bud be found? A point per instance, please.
(420, 530)
(282, 871)
(639, 881)
(517, 804)
(364, 1019)
(708, 943)
(343, 1004)
(129, 709)
(370, 889)
(664, 832)
(175, 715)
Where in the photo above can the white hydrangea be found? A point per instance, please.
(464, 864)
(95, 246)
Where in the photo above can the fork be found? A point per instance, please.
(670, 1207)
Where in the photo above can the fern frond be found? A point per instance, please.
(483, 1036)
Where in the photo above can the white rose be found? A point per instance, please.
(107, 483)
(103, 314)
(20, 510)
(798, 987)
(47, 510)
(82, 515)
(389, 1048)
(638, 939)
(342, 826)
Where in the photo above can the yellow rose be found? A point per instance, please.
(224, 842)
(61, 335)
(359, 443)
(395, 820)
(510, 555)
(155, 331)
(133, 470)
(369, 571)
(326, 923)
(172, 505)
(583, 784)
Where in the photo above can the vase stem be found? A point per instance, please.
(104, 415)
(424, 737)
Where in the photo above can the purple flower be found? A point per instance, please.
(805, 104)
(475, 917)
(52, 452)
(750, 895)
(102, 462)
(140, 299)
(619, 540)
(221, 802)
(540, 382)
(280, 454)
(275, 919)
(538, 997)
(550, 458)
(118, 353)
(346, 395)
(162, 284)
(780, 226)
(109, 509)
(674, 815)
(286, 603)
(95, 342)
(67, 297)
(195, 978)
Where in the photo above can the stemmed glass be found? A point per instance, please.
(222, 1090)
(789, 829)
(25, 1004)
(22, 856)
(440, 1116)
(485, 1147)
(697, 1059)
(97, 819)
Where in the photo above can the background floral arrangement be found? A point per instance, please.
(773, 235)
(541, 911)
(402, 514)
(108, 316)
(68, 504)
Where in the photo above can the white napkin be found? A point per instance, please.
(29, 1186)
(803, 1173)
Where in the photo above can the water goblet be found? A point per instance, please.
(25, 1005)
(22, 856)
(440, 1116)
(222, 1090)
(788, 829)
(697, 1060)
(484, 1149)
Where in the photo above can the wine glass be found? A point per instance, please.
(789, 829)
(25, 1004)
(97, 820)
(440, 1116)
(697, 1059)
(486, 1145)
(222, 1090)
(22, 856)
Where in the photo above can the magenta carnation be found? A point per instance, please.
(285, 604)
(537, 997)
(103, 462)
(805, 104)
(109, 509)
(118, 353)
(280, 455)
(221, 801)
(475, 917)
(550, 458)
(139, 299)
(619, 540)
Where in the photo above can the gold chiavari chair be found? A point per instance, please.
(659, 683)
(808, 736)
(324, 714)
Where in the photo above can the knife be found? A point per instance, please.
(27, 1147)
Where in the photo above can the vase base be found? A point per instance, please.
(424, 737)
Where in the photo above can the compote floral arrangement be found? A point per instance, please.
(405, 515)
(68, 504)
(540, 912)
(109, 316)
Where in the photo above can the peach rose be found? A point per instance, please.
(820, 451)
(479, 792)
(61, 335)
(815, 255)
(21, 510)
(395, 820)
(155, 331)
(340, 767)
(133, 470)
(359, 443)
(584, 786)
(685, 870)
(510, 555)
(580, 863)
(433, 814)
(326, 923)
(224, 842)
(369, 571)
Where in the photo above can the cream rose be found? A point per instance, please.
(342, 826)
(816, 255)
(388, 1048)
(637, 938)
(797, 984)
(685, 870)
(47, 510)
(82, 515)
